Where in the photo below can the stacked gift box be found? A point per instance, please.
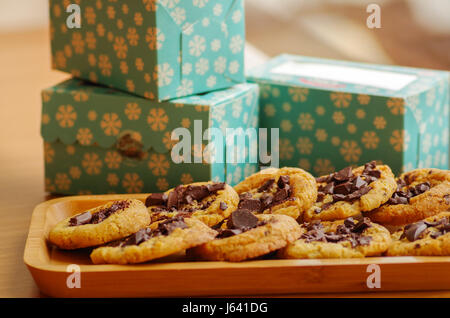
(142, 69)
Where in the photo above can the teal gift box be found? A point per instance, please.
(331, 114)
(158, 49)
(100, 140)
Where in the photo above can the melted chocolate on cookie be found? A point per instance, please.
(239, 222)
(403, 196)
(180, 199)
(415, 231)
(164, 229)
(99, 216)
(348, 231)
(343, 185)
(273, 193)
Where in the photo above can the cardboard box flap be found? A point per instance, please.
(77, 111)
(334, 75)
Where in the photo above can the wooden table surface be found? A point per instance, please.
(24, 71)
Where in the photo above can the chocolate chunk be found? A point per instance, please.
(320, 196)
(398, 197)
(358, 193)
(362, 225)
(83, 218)
(197, 192)
(349, 222)
(343, 188)
(369, 179)
(436, 234)
(139, 237)
(188, 199)
(419, 189)
(242, 219)
(317, 210)
(344, 174)
(168, 226)
(330, 237)
(369, 166)
(436, 223)
(347, 231)
(266, 185)
(324, 179)
(283, 181)
(133, 239)
(214, 187)
(339, 197)
(266, 201)
(358, 183)
(250, 204)
(223, 206)
(314, 225)
(172, 200)
(329, 188)
(374, 173)
(98, 216)
(413, 231)
(245, 195)
(314, 235)
(156, 199)
(400, 184)
(281, 194)
(228, 232)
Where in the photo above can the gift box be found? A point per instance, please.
(334, 113)
(156, 49)
(100, 140)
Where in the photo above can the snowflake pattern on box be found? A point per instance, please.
(156, 49)
(326, 125)
(83, 125)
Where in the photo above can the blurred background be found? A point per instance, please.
(413, 33)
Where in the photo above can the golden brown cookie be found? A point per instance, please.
(155, 241)
(210, 202)
(420, 193)
(349, 192)
(100, 225)
(289, 191)
(430, 237)
(339, 239)
(247, 236)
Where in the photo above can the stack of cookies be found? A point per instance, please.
(278, 213)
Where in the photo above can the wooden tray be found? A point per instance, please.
(175, 276)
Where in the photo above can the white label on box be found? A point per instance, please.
(347, 74)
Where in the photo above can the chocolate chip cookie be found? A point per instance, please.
(429, 237)
(246, 236)
(339, 239)
(160, 239)
(420, 193)
(99, 225)
(349, 192)
(210, 202)
(289, 191)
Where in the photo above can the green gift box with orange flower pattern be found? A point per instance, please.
(158, 49)
(101, 140)
(331, 114)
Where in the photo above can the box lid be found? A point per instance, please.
(335, 75)
(75, 110)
